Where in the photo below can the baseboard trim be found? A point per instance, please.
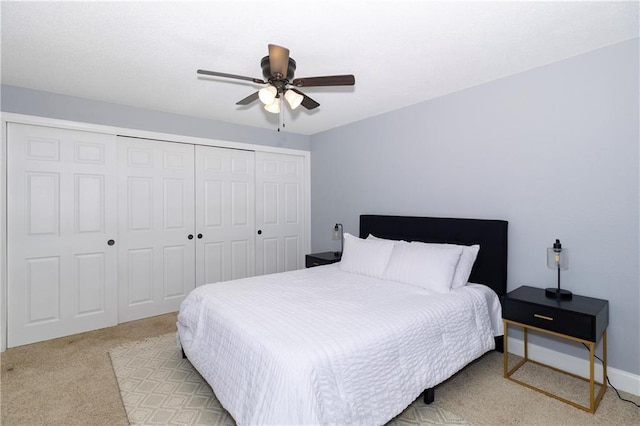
(622, 380)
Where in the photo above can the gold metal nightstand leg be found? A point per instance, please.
(604, 358)
(507, 373)
(506, 349)
(604, 384)
(594, 400)
(591, 373)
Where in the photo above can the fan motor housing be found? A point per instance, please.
(266, 69)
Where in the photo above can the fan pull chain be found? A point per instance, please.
(280, 115)
(281, 119)
(282, 112)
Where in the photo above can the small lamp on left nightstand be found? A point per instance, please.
(338, 234)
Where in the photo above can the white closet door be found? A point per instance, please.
(61, 213)
(156, 226)
(279, 212)
(225, 214)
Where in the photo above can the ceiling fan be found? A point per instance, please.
(278, 70)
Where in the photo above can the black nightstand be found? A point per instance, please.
(580, 319)
(324, 258)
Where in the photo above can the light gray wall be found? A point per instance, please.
(553, 150)
(45, 104)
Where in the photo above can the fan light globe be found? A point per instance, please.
(267, 94)
(273, 107)
(294, 99)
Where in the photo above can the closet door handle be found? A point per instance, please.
(111, 242)
(199, 236)
(190, 236)
(259, 231)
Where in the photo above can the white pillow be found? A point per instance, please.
(365, 257)
(430, 266)
(465, 264)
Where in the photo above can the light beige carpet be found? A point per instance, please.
(159, 387)
(70, 380)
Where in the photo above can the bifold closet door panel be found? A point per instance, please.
(225, 214)
(156, 247)
(62, 193)
(280, 212)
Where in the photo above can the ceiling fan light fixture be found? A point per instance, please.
(294, 99)
(273, 107)
(267, 94)
(278, 69)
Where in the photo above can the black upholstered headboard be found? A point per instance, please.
(490, 268)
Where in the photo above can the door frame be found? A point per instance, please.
(119, 131)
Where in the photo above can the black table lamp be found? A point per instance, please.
(558, 258)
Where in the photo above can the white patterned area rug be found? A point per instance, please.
(158, 387)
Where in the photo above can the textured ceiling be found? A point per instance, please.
(145, 54)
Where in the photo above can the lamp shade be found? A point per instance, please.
(557, 257)
(338, 234)
(294, 99)
(273, 107)
(267, 94)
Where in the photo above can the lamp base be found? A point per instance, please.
(558, 293)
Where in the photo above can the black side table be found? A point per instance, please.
(580, 319)
(324, 258)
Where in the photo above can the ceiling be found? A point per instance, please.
(145, 54)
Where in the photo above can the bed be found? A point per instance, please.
(326, 345)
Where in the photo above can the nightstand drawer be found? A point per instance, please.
(552, 319)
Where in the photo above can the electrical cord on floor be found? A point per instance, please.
(609, 382)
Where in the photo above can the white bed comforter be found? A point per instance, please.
(321, 346)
